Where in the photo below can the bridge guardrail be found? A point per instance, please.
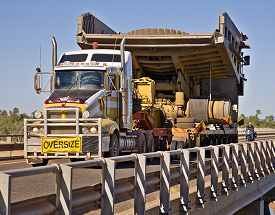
(254, 159)
(9, 146)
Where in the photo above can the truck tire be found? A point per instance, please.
(150, 140)
(173, 146)
(114, 146)
(142, 147)
(150, 144)
(44, 163)
(185, 120)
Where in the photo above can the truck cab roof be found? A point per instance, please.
(91, 57)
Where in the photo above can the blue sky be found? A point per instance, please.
(27, 25)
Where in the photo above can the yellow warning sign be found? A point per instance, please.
(64, 144)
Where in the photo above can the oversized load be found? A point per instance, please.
(159, 91)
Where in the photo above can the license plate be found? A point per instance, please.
(64, 144)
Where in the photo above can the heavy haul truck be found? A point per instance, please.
(142, 91)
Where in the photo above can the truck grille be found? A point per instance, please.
(62, 130)
(56, 114)
(90, 144)
(53, 114)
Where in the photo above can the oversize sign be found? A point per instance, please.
(64, 144)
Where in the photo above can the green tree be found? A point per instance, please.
(267, 122)
(12, 122)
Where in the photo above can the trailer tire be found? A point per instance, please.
(173, 146)
(44, 163)
(150, 144)
(114, 146)
(143, 142)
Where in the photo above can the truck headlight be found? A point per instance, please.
(85, 130)
(37, 114)
(86, 114)
(41, 130)
(35, 130)
(93, 130)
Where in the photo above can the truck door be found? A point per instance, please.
(112, 97)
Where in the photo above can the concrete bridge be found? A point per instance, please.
(230, 179)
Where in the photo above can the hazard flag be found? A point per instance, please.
(200, 127)
(227, 120)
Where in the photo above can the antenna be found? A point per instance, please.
(40, 57)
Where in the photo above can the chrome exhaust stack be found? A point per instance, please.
(54, 61)
(126, 124)
(54, 53)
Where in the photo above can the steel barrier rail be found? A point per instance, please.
(254, 159)
(11, 146)
(10, 136)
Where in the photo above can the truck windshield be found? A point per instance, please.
(79, 79)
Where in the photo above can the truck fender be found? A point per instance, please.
(108, 128)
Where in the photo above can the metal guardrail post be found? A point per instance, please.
(251, 162)
(272, 151)
(9, 139)
(165, 183)
(140, 184)
(235, 165)
(5, 194)
(266, 158)
(201, 177)
(108, 187)
(214, 172)
(258, 169)
(25, 138)
(184, 180)
(243, 162)
(270, 154)
(225, 170)
(66, 189)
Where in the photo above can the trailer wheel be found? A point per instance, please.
(150, 144)
(44, 163)
(142, 145)
(114, 146)
(173, 146)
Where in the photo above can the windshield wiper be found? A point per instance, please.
(75, 82)
(81, 82)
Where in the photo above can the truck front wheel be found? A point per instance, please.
(114, 146)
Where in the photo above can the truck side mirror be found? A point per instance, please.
(37, 84)
(246, 60)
